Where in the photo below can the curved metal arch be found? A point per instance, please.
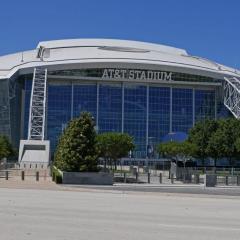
(231, 88)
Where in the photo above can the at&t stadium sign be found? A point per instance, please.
(132, 74)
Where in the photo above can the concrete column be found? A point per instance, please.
(193, 106)
(147, 119)
(124, 177)
(122, 107)
(136, 176)
(238, 180)
(97, 107)
(172, 178)
(37, 176)
(160, 178)
(149, 177)
(170, 124)
(22, 175)
(226, 180)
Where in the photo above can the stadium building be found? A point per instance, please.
(147, 90)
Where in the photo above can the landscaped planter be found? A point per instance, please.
(94, 178)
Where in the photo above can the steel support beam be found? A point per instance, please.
(231, 87)
(37, 114)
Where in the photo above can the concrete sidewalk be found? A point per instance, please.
(29, 183)
(180, 188)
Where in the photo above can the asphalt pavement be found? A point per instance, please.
(165, 188)
(87, 214)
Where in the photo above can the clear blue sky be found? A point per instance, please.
(207, 28)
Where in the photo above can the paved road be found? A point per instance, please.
(64, 215)
(165, 188)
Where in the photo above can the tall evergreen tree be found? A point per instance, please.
(77, 147)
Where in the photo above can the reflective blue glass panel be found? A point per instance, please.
(5, 126)
(15, 97)
(221, 110)
(59, 111)
(135, 102)
(182, 109)
(159, 113)
(28, 89)
(204, 104)
(85, 99)
(110, 108)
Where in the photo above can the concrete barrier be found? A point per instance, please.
(136, 173)
(172, 178)
(226, 180)
(196, 179)
(210, 180)
(90, 178)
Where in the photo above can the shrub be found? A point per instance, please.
(56, 175)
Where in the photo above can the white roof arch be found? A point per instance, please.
(73, 51)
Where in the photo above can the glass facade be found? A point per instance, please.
(28, 88)
(15, 100)
(59, 111)
(147, 112)
(159, 114)
(110, 108)
(5, 127)
(135, 109)
(182, 109)
(84, 99)
(204, 104)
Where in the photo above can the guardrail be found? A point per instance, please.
(167, 178)
(140, 177)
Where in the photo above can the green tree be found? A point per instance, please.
(227, 135)
(178, 150)
(215, 146)
(169, 149)
(187, 150)
(77, 147)
(237, 145)
(114, 146)
(6, 148)
(199, 135)
(104, 143)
